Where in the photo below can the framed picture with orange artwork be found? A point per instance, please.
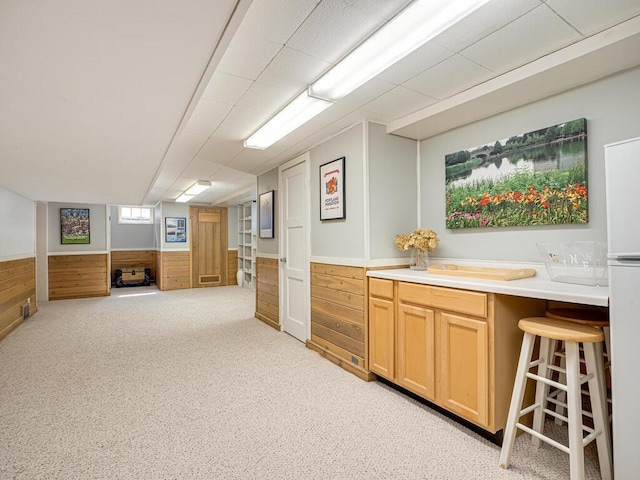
(332, 192)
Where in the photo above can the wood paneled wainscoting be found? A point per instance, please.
(79, 276)
(173, 270)
(17, 289)
(338, 313)
(133, 258)
(267, 293)
(232, 267)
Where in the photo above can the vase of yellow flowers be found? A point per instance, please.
(420, 242)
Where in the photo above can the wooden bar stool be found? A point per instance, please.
(595, 318)
(572, 334)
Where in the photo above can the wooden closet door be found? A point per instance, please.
(208, 246)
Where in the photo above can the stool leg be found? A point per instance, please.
(562, 396)
(574, 407)
(542, 389)
(593, 358)
(516, 399)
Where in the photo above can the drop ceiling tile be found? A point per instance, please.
(484, 21)
(291, 68)
(247, 56)
(200, 170)
(416, 62)
(269, 99)
(276, 20)
(334, 28)
(449, 77)
(206, 117)
(592, 16)
(366, 93)
(225, 88)
(219, 150)
(240, 123)
(187, 145)
(398, 102)
(528, 38)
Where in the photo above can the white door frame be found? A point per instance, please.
(306, 159)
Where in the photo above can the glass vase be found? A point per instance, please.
(419, 259)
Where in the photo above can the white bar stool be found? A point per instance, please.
(572, 334)
(595, 318)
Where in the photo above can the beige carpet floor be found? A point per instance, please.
(188, 385)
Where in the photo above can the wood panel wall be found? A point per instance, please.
(267, 292)
(338, 314)
(17, 289)
(232, 267)
(173, 270)
(133, 258)
(79, 276)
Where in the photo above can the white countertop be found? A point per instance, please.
(540, 286)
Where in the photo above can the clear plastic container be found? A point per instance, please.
(580, 262)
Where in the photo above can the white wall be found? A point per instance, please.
(612, 109)
(97, 226)
(393, 190)
(340, 239)
(17, 216)
(267, 182)
(130, 236)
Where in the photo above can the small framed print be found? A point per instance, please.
(266, 215)
(332, 197)
(175, 229)
(75, 226)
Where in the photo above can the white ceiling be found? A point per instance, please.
(126, 102)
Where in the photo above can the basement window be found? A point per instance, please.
(135, 215)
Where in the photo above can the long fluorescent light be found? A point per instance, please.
(198, 187)
(299, 111)
(412, 28)
(184, 198)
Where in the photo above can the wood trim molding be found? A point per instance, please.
(17, 289)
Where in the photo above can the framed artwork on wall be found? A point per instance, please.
(529, 179)
(175, 229)
(332, 195)
(266, 215)
(75, 227)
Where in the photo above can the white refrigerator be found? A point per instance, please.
(622, 173)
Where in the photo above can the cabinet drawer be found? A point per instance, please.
(381, 288)
(451, 299)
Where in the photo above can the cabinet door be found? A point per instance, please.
(463, 385)
(416, 350)
(381, 337)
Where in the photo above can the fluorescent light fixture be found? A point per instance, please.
(184, 198)
(198, 187)
(412, 28)
(299, 111)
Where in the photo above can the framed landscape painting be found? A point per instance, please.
(535, 178)
(75, 226)
(266, 215)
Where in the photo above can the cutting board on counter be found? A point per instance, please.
(481, 272)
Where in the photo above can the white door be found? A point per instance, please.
(293, 250)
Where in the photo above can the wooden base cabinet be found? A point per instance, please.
(456, 348)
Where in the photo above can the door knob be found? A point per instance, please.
(283, 259)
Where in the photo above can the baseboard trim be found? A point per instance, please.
(341, 362)
(268, 321)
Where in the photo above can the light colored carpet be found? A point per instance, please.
(187, 385)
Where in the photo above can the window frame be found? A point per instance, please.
(132, 221)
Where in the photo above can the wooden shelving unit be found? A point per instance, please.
(247, 243)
